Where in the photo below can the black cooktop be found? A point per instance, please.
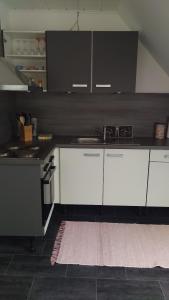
(23, 151)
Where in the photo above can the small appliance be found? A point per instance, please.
(125, 131)
(113, 132)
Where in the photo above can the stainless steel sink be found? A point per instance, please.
(97, 140)
(124, 144)
(87, 140)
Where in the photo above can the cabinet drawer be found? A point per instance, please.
(159, 155)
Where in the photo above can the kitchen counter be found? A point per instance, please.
(135, 143)
(46, 147)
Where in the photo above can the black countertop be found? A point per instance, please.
(134, 143)
(47, 147)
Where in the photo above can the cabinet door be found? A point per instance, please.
(69, 61)
(114, 61)
(81, 176)
(158, 187)
(125, 177)
(56, 177)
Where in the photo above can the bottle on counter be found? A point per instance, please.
(34, 127)
(160, 131)
(40, 85)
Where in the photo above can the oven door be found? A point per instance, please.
(47, 189)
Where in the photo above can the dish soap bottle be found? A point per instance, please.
(40, 85)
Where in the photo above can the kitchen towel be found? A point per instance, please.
(112, 244)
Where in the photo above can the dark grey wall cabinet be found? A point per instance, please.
(91, 61)
(69, 61)
(114, 61)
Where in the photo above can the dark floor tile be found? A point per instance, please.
(4, 262)
(35, 266)
(82, 271)
(147, 274)
(128, 290)
(63, 289)
(165, 289)
(12, 288)
(13, 245)
(58, 210)
(96, 272)
(111, 272)
(48, 247)
(52, 229)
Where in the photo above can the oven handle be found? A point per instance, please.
(51, 158)
(47, 181)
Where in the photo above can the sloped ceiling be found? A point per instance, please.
(63, 4)
(151, 18)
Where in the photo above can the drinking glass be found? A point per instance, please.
(37, 41)
(25, 47)
(32, 46)
(42, 46)
(17, 46)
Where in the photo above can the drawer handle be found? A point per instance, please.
(115, 155)
(103, 85)
(91, 154)
(79, 85)
(166, 156)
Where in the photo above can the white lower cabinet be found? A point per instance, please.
(81, 176)
(158, 186)
(125, 177)
(56, 176)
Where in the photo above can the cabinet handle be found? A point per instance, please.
(166, 156)
(79, 85)
(115, 155)
(103, 85)
(91, 154)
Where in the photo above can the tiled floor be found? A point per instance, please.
(29, 276)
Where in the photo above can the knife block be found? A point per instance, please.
(26, 133)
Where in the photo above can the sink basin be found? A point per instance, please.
(97, 140)
(87, 140)
(125, 144)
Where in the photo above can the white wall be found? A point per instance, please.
(64, 20)
(4, 17)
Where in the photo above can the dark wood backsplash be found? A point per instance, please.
(82, 114)
(6, 116)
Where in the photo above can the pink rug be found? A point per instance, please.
(112, 244)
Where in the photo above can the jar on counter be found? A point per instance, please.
(160, 131)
